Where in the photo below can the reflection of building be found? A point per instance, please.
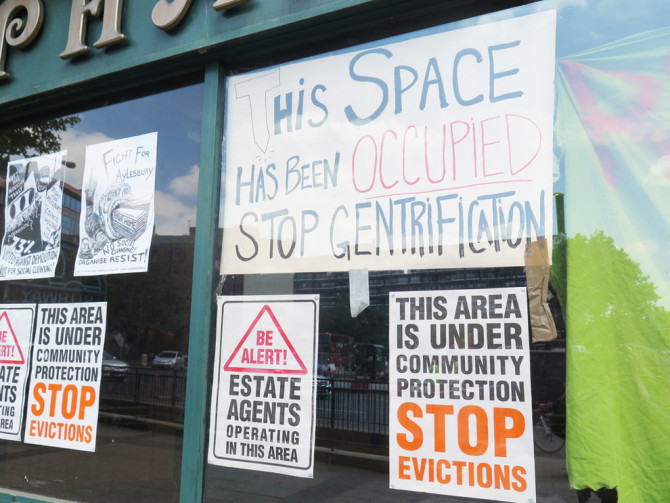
(172, 255)
(71, 209)
(71, 212)
(153, 309)
(329, 284)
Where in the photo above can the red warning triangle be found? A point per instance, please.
(10, 349)
(265, 348)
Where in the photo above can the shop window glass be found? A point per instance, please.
(69, 225)
(608, 292)
(140, 425)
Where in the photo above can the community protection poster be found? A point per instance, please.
(263, 396)
(64, 391)
(33, 208)
(117, 218)
(409, 153)
(460, 398)
(16, 330)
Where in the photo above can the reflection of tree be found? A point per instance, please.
(617, 368)
(610, 282)
(41, 137)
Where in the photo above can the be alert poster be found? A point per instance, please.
(16, 331)
(263, 396)
(117, 217)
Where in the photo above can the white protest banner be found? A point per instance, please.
(16, 331)
(263, 396)
(117, 219)
(64, 391)
(423, 150)
(33, 208)
(460, 400)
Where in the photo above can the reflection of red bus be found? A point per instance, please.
(336, 351)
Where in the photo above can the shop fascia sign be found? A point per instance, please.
(21, 22)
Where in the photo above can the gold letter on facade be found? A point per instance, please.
(167, 14)
(18, 32)
(227, 4)
(111, 25)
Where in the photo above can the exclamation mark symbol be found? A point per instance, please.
(284, 357)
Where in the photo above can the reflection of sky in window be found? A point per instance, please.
(176, 117)
(583, 24)
(618, 90)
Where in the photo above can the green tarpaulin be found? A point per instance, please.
(613, 143)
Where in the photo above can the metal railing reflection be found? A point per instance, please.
(345, 405)
(148, 387)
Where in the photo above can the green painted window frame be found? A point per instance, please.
(195, 420)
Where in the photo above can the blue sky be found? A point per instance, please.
(583, 24)
(176, 116)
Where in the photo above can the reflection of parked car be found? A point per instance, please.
(323, 387)
(111, 367)
(169, 360)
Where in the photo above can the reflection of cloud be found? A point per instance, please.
(650, 254)
(559, 4)
(172, 215)
(659, 173)
(641, 247)
(663, 290)
(172, 212)
(538, 7)
(76, 142)
(194, 136)
(187, 185)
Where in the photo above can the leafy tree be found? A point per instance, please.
(40, 137)
(617, 369)
(619, 290)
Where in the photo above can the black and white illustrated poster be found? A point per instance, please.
(117, 217)
(33, 208)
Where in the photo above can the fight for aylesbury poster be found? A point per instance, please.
(428, 149)
(33, 208)
(117, 217)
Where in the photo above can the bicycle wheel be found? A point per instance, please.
(544, 438)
